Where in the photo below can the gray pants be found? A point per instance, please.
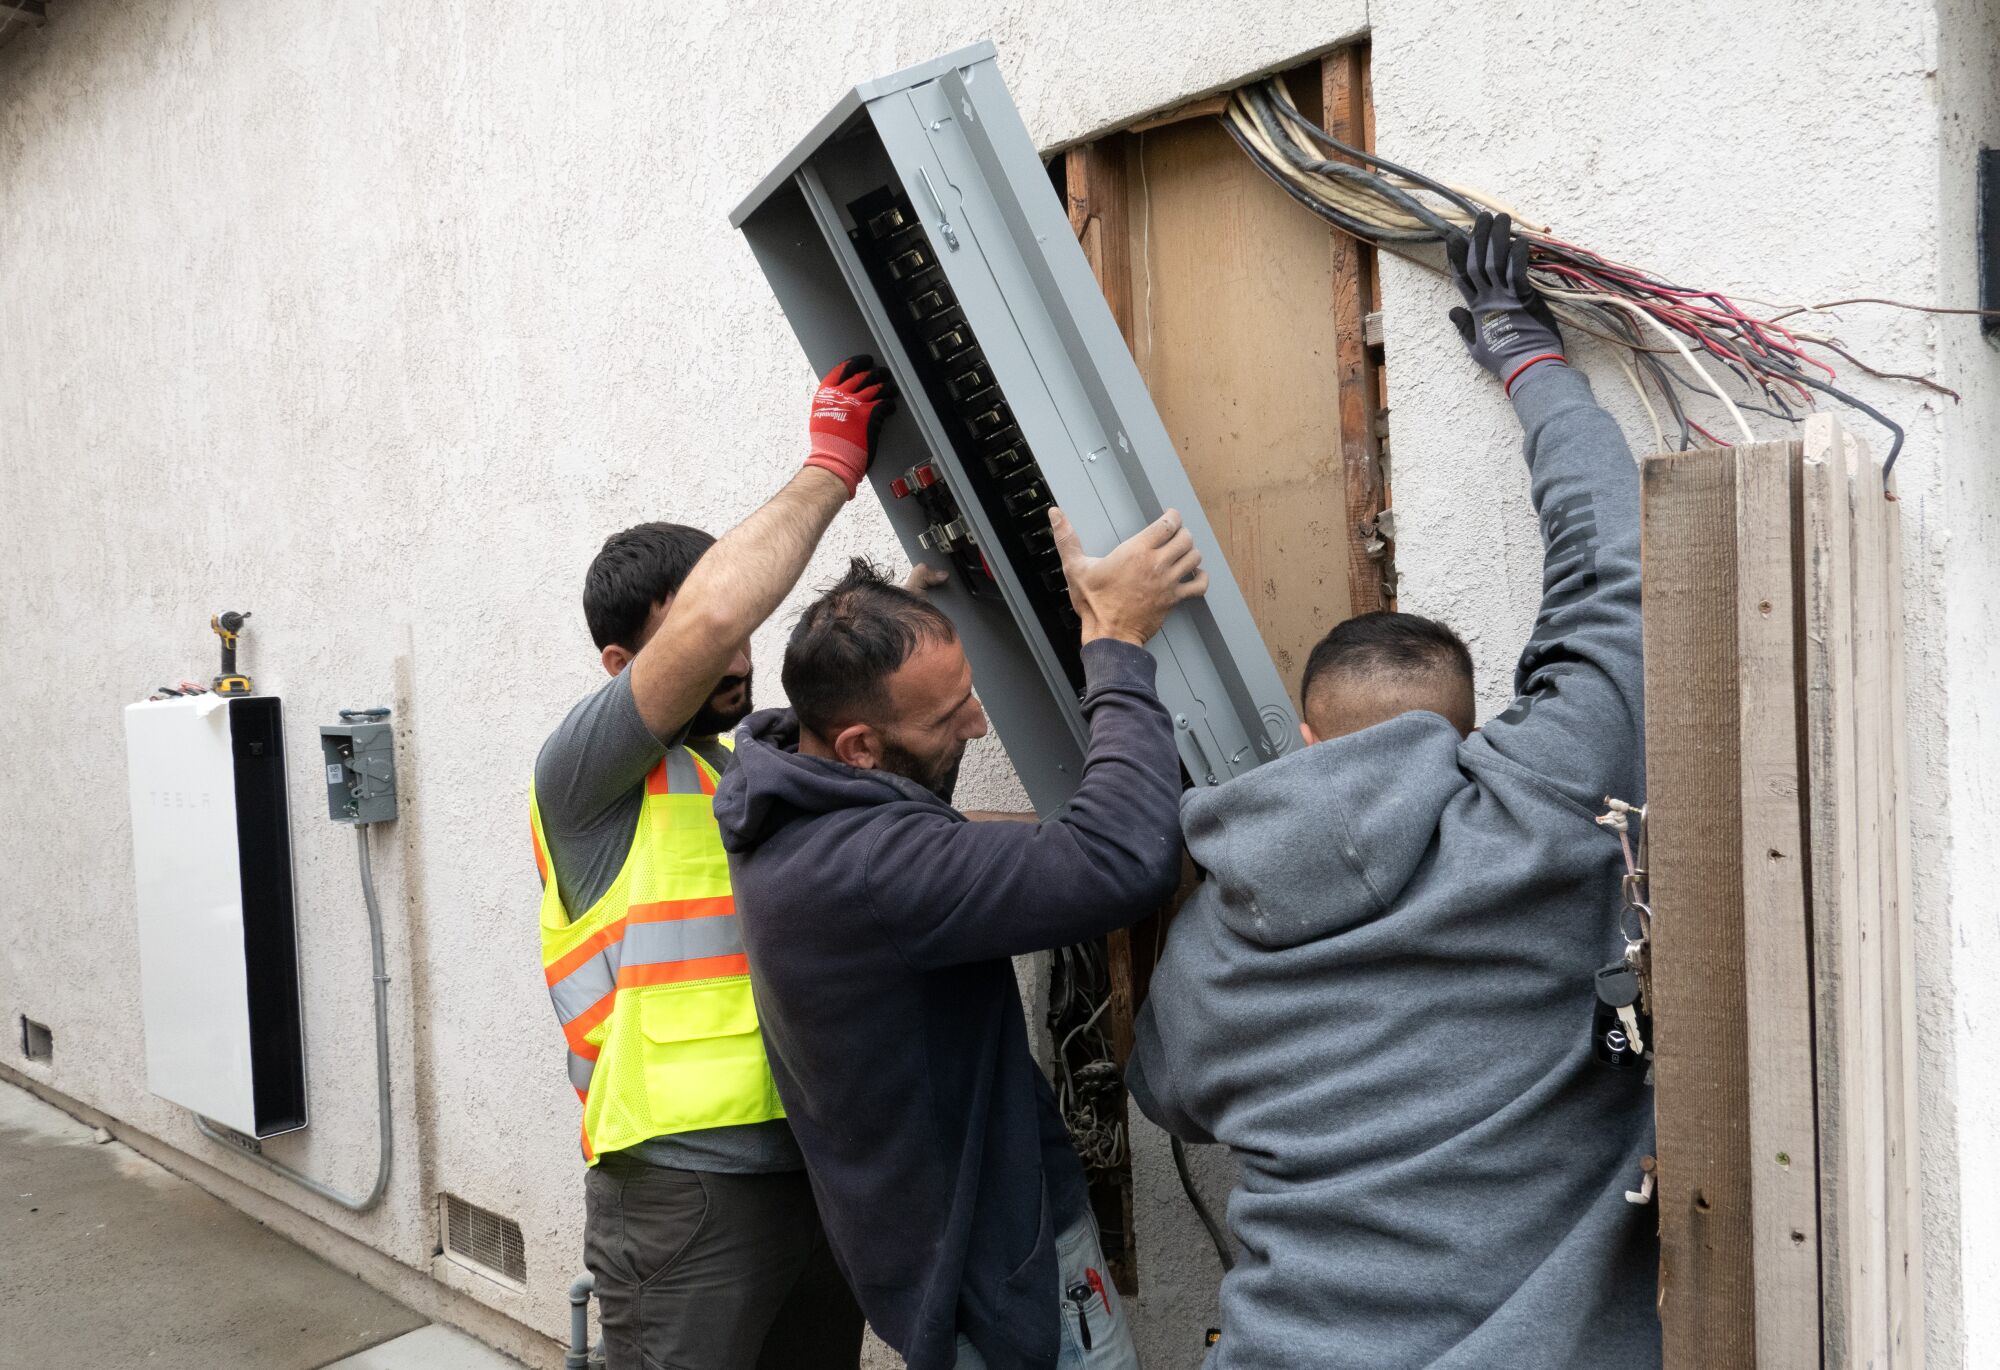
(699, 1271)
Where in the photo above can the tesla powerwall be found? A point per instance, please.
(218, 947)
(917, 222)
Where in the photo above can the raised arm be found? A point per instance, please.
(1577, 718)
(954, 892)
(739, 582)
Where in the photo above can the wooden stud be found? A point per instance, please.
(1346, 110)
(1694, 822)
(1095, 173)
(1777, 969)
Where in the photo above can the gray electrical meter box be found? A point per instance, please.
(360, 757)
(916, 222)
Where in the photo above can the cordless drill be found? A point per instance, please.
(227, 625)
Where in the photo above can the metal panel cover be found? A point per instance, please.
(917, 223)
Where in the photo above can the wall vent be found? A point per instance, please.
(37, 1042)
(484, 1240)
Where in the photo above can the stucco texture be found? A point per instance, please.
(374, 319)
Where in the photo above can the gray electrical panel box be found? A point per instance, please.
(360, 758)
(918, 223)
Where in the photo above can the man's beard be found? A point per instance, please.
(940, 777)
(712, 721)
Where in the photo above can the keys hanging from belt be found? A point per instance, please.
(1624, 987)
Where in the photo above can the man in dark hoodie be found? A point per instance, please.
(879, 925)
(1382, 996)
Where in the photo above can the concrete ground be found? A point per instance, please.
(106, 1259)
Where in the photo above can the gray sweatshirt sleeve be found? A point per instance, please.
(1577, 718)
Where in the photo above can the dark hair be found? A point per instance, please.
(849, 642)
(1386, 643)
(632, 572)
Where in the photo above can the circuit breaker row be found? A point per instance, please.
(955, 374)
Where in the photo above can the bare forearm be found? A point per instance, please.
(737, 584)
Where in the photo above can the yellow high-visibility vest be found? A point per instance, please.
(651, 985)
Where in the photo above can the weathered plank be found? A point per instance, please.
(1853, 1290)
(1695, 822)
(1345, 93)
(1906, 1235)
(1777, 968)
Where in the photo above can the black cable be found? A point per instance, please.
(1895, 429)
(1325, 139)
(1222, 1251)
(1694, 389)
(1750, 348)
(1440, 227)
(1366, 232)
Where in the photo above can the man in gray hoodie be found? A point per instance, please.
(1382, 996)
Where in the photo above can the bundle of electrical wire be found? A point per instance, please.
(1086, 1072)
(1654, 325)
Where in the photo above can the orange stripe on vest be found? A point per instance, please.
(577, 1028)
(671, 972)
(671, 910)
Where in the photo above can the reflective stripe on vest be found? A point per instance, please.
(651, 985)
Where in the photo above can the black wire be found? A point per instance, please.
(1366, 232)
(1658, 371)
(1325, 139)
(1694, 389)
(1895, 429)
(1740, 342)
(1222, 1251)
(1440, 226)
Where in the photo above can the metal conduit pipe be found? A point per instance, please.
(580, 1290)
(382, 1115)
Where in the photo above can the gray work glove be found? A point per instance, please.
(1514, 326)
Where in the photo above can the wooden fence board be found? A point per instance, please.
(1906, 1237)
(1694, 822)
(1784, 1177)
(1853, 1323)
(1787, 1118)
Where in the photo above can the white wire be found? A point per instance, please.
(1668, 334)
(1632, 375)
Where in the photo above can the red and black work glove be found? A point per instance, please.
(1506, 324)
(847, 413)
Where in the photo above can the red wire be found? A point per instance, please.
(1754, 330)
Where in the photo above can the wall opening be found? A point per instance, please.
(1250, 319)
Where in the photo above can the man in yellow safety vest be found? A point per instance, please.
(700, 1227)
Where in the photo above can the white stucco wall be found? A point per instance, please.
(374, 319)
(1960, 1026)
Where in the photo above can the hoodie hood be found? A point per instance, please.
(770, 784)
(1324, 839)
